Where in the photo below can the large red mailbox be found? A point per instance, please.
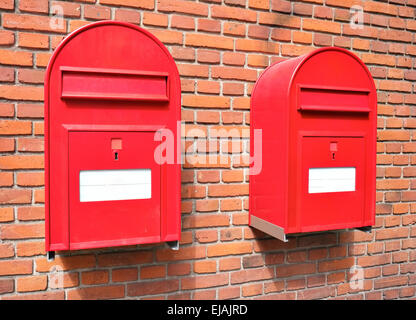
(111, 89)
(317, 113)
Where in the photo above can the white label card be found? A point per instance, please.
(110, 185)
(323, 180)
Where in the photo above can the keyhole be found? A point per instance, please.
(115, 155)
(333, 155)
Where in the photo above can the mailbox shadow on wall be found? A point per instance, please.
(109, 88)
(318, 116)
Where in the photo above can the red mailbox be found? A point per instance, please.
(317, 113)
(111, 89)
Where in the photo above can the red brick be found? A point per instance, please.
(96, 12)
(189, 7)
(256, 274)
(142, 4)
(124, 258)
(225, 249)
(227, 190)
(281, 6)
(233, 13)
(33, 40)
(186, 253)
(205, 236)
(277, 19)
(234, 29)
(188, 70)
(124, 274)
(7, 4)
(333, 265)
(22, 231)
(206, 220)
(233, 89)
(6, 285)
(69, 9)
(392, 233)
(30, 145)
(152, 288)
(31, 213)
(207, 25)
(94, 277)
(6, 250)
(179, 269)
(252, 290)
(206, 205)
(231, 234)
(152, 272)
(209, 41)
(29, 249)
(205, 266)
(374, 260)
(390, 282)
(42, 59)
(182, 22)
(15, 196)
(37, 6)
(58, 295)
(15, 267)
(204, 295)
(6, 214)
(65, 263)
(66, 280)
(32, 283)
(321, 26)
(126, 15)
(27, 93)
(297, 269)
(6, 179)
(22, 162)
(191, 191)
(206, 281)
(154, 19)
(32, 22)
(168, 36)
(95, 293)
(6, 38)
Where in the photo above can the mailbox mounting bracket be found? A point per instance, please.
(51, 255)
(174, 245)
(365, 229)
(269, 228)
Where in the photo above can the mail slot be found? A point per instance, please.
(111, 90)
(317, 113)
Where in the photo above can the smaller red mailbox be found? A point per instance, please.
(111, 90)
(317, 113)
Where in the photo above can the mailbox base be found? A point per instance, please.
(269, 228)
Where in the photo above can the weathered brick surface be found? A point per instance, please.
(221, 48)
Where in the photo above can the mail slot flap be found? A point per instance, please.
(333, 99)
(108, 84)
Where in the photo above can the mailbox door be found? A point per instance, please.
(114, 184)
(332, 190)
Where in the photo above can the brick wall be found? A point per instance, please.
(220, 47)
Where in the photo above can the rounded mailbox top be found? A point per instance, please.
(327, 71)
(332, 66)
(114, 45)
